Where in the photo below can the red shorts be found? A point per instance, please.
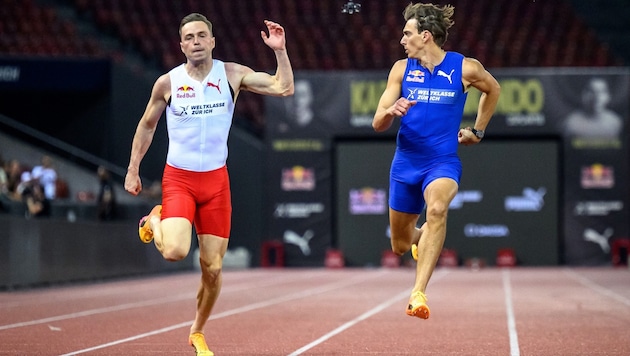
(201, 197)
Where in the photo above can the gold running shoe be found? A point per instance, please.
(198, 342)
(414, 247)
(146, 234)
(418, 306)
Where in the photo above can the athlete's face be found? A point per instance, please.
(412, 40)
(597, 95)
(197, 41)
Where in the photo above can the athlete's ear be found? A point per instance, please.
(426, 34)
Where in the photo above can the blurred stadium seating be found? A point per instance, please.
(506, 33)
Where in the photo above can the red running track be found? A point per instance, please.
(518, 311)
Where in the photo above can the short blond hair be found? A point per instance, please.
(192, 18)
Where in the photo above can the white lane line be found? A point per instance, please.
(352, 322)
(145, 303)
(511, 321)
(597, 288)
(99, 311)
(303, 294)
(361, 317)
(56, 295)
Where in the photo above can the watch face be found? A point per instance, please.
(479, 133)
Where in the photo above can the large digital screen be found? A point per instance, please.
(508, 198)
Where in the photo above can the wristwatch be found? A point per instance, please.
(478, 133)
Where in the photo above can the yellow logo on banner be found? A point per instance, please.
(364, 96)
(517, 96)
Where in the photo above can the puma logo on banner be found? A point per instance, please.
(600, 239)
(292, 237)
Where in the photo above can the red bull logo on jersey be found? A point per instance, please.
(185, 92)
(415, 75)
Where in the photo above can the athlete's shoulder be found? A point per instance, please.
(455, 54)
(236, 68)
(163, 82)
(401, 63)
(398, 68)
(176, 70)
(471, 67)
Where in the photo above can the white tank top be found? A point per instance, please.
(198, 119)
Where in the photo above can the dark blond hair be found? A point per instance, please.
(192, 18)
(432, 18)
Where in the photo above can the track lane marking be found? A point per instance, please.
(132, 305)
(597, 288)
(373, 311)
(299, 295)
(509, 308)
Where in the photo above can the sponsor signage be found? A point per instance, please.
(298, 178)
(367, 201)
(582, 111)
(530, 200)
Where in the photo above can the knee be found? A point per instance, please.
(174, 253)
(400, 250)
(400, 247)
(210, 270)
(437, 211)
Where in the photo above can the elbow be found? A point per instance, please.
(378, 127)
(286, 84)
(284, 91)
(497, 88)
(289, 91)
(380, 124)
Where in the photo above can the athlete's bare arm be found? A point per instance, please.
(476, 76)
(391, 105)
(279, 84)
(146, 129)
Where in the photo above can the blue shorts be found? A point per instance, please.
(407, 184)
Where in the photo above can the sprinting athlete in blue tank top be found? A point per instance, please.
(426, 144)
(427, 92)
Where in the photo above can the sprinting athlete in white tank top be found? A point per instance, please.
(198, 119)
(199, 98)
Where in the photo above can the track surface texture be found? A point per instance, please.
(491, 311)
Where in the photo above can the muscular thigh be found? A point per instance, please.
(402, 225)
(439, 193)
(199, 198)
(406, 197)
(214, 207)
(212, 249)
(408, 190)
(178, 207)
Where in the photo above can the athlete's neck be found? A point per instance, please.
(199, 70)
(432, 57)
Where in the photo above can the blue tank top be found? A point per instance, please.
(429, 130)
